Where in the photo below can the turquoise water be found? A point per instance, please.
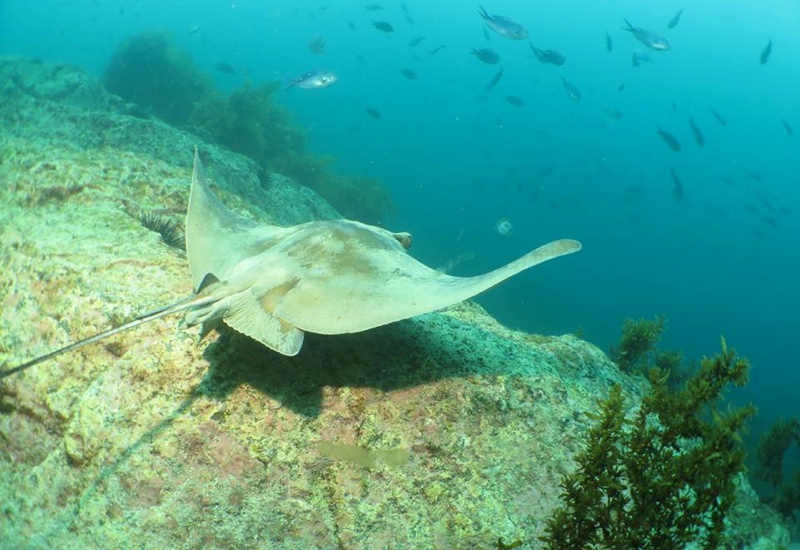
(458, 160)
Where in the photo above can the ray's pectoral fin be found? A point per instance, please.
(250, 313)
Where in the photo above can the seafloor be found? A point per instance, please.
(447, 431)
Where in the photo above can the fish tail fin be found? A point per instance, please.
(483, 13)
(629, 28)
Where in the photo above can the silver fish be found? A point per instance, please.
(503, 25)
(573, 92)
(314, 80)
(486, 55)
(675, 184)
(640, 56)
(675, 20)
(671, 141)
(648, 38)
(548, 56)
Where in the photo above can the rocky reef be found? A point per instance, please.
(446, 431)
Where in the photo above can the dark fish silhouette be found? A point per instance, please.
(514, 100)
(373, 113)
(437, 49)
(409, 74)
(573, 92)
(718, 116)
(621, 87)
(416, 41)
(317, 44)
(675, 184)
(224, 68)
(383, 26)
(409, 19)
(487, 55)
(788, 127)
(609, 43)
(640, 56)
(494, 81)
(675, 20)
(648, 38)
(670, 140)
(503, 25)
(486, 34)
(766, 52)
(548, 56)
(698, 135)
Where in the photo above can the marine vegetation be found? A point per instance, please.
(638, 343)
(149, 70)
(772, 448)
(665, 476)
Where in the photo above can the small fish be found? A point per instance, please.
(317, 44)
(486, 34)
(675, 20)
(486, 55)
(670, 140)
(766, 52)
(639, 57)
(314, 80)
(409, 74)
(409, 19)
(675, 184)
(383, 26)
(648, 38)
(621, 87)
(416, 41)
(495, 80)
(503, 25)
(351, 26)
(609, 43)
(514, 100)
(698, 135)
(788, 127)
(572, 91)
(437, 49)
(224, 68)
(194, 29)
(374, 113)
(718, 116)
(548, 56)
(373, 7)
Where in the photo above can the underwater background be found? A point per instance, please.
(458, 160)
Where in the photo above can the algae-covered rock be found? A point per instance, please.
(445, 431)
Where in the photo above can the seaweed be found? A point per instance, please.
(638, 342)
(663, 478)
(170, 231)
(772, 447)
(149, 70)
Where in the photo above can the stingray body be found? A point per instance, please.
(329, 277)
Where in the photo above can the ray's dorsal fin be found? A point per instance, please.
(216, 238)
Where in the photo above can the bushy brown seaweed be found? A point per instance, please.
(663, 478)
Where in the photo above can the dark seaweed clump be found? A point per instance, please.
(772, 447)
(171, 232)
(663, 478)
(150, 71)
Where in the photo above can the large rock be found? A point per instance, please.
(444, 431)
